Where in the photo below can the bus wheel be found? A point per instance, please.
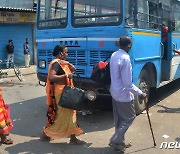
(144, 85)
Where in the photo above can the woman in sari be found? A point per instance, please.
(5, 122)
(61, 122)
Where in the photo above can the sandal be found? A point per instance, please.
(44, 137)
(77, 142)
(7, 141)
(128, 145)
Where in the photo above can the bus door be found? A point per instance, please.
(166, 42)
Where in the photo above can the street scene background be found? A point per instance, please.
(27, 98)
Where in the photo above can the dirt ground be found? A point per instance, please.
(28, 110)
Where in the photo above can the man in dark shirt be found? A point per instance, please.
(10, 53)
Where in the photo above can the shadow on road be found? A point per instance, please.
(12, 82)
(29, 118)
(168, 110)
(178, 139)
(161, 93)
(37, 147)
(141, 150)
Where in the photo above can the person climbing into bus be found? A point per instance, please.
(165, 39)
(164, 32)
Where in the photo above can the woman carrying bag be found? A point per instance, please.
(61, 122)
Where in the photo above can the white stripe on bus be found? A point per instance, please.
(77, 39)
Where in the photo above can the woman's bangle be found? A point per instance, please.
(67, 76)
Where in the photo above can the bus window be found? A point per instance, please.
(96, 12)
(166, 16)
(130, 12)
(52, 14)
(142, 14)
(177, 21)
(147, 14)
(153, 15)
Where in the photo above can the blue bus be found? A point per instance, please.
(91, 30)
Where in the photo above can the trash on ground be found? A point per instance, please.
(165, 136)
(85, 112)
(144, 112)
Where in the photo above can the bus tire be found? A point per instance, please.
(144, 85)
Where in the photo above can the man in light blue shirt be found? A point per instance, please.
(122, 91)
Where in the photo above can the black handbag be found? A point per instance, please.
(72, 98)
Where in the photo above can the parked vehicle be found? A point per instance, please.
(91, 30)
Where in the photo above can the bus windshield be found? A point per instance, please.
(96, 12)
(52, 14)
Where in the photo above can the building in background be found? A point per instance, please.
(17, 22)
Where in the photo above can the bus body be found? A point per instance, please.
(91, 30)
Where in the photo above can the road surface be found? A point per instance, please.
(28, 110)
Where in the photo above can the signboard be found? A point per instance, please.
(17, 17)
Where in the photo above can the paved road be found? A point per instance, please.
(28, 113)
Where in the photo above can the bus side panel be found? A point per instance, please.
(146, 49)
(102, 44)
(138, 66)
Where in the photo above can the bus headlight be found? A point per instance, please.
(91, 95)
(42, 64)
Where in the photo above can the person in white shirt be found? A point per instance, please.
(122, 91)
(27, 52)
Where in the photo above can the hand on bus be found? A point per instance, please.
(176, 51)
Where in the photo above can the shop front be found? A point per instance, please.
(17, 25)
